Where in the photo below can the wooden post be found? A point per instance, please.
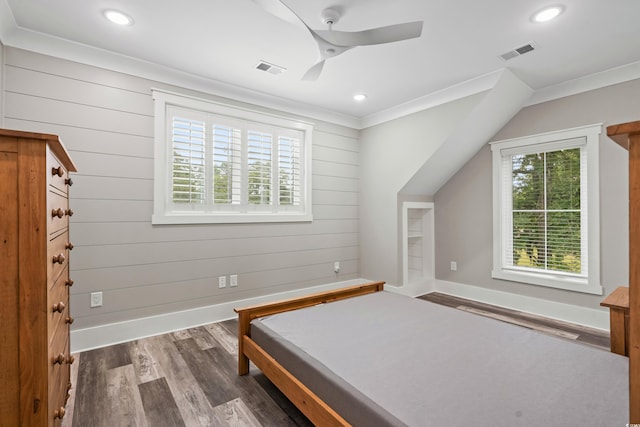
(628, 136)
(618, 303)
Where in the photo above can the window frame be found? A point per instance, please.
(587, 136)
(165, 211)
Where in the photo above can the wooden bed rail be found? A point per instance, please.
(308, 402)
(314, 408)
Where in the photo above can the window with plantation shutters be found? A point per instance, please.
(217, 163)
(546, 227)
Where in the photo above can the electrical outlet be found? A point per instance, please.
(96, 299)
(454, 266)
(233, 280)
(336, 267)
(222, 282)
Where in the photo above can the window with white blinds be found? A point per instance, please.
(546, 227)
(218, 163)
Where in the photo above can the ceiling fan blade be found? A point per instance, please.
(314, 72)
(282, 11)
(380, 35)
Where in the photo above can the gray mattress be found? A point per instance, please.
(386, 359)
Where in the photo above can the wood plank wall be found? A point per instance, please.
(105, 119)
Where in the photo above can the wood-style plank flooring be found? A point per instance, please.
(594, 337)
(188, 378)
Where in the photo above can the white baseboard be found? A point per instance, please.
(115, 333)
(414, 289)
(593, 318)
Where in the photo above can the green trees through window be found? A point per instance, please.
(546, 210)
(546, 227)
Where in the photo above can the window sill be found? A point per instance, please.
(228, 218)
(549, 281)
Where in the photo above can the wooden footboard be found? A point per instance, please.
(309, 404)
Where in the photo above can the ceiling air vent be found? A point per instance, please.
(270, 68)
(518, 51)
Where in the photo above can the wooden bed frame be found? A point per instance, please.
(309, 404)
(627, 135)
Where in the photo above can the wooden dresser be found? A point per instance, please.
(34, 279)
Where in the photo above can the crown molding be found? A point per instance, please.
(587, 83)
(449, 94)
(33, 41)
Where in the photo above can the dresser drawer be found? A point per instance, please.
(58, 313)
(59, 376)
(58, 212)
(58, 174)
(58, 255)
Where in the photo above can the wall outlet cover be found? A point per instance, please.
(96, 299)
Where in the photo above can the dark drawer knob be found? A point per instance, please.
(57, 171)
(69, 320)
(57, 213)
(59, 413)
(69, 246)
(59, 259)
(59, 307)
(68, 181)
(69, 282)
(71, 359)
(69, 212)
(59, 359)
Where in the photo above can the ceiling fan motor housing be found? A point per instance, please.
(330, 16)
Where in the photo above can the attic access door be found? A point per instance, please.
(418, 241)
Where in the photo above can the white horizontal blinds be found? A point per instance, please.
(227, 168)
(289, 172)
(188, 137)
(546, 209)
(259, 167)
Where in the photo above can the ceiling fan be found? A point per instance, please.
(333, 43)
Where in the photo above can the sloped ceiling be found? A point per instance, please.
(496, 108)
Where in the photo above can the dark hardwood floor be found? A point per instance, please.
(188, 378)
(185, 378)
(593, 337)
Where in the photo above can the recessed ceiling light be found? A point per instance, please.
(359, 97)
(118, 17)
(548, 13)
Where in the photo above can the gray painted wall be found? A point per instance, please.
(105, 119)
(391, 153)
(463, 207)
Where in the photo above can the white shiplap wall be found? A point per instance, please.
(105, 119)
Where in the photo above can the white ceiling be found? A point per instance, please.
(223, 40)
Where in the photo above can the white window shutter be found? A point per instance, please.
(289, 177)
(188, 161)
(259, 167)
